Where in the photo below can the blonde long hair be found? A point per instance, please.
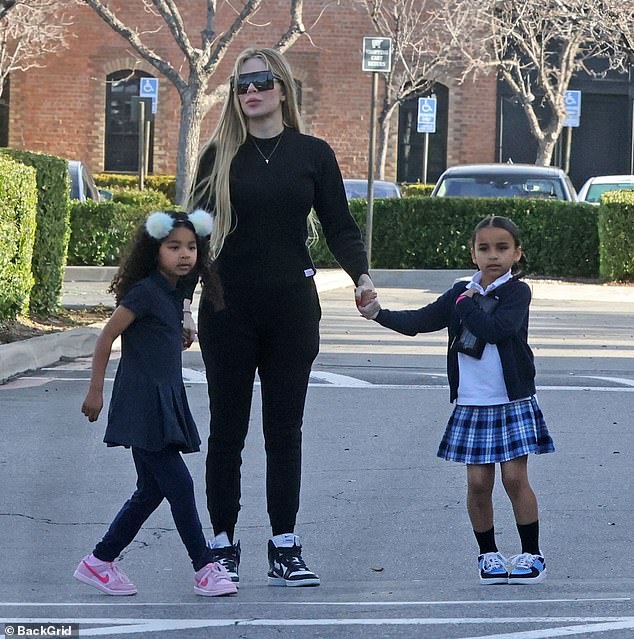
(230, 134)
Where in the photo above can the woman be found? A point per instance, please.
(259, 310)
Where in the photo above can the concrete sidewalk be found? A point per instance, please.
(87, 286)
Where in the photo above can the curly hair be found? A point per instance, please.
(141, 255)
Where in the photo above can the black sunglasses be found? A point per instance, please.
(261, 80)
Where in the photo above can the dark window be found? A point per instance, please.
(122, 131)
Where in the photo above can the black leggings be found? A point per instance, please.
(276, 331)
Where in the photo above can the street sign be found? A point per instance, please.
(377, 54)
(426, 121)
(573, 108)
(148, 88)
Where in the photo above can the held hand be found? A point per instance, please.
(371, 309)
(470, 292)
(189, 330)
(92, 405)
(364, 292)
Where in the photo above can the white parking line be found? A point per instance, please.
(119, 626)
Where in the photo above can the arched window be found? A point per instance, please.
(122, 131)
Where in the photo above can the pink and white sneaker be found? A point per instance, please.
(213, 580)
(105, 576)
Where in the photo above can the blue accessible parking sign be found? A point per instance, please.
(426, 121)
(148, 88)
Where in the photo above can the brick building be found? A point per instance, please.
(74, 107)
(78, 105)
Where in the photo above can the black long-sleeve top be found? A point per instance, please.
(271, 203)
(507, 328)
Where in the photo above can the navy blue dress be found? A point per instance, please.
(149, 408)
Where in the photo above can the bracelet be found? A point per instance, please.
(460, 298)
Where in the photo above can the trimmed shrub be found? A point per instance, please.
(146, 199)
(416, 190)
(18, 211)
(559, 238)
(616, 235)
(52, 229)
(100, 231)
(166, 184)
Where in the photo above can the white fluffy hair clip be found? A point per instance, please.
(160, 224)
(203, 222)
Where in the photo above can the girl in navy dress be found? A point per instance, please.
(148, 411)
(496, 418)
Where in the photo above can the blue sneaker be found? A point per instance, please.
(527, 569)
(492, 567)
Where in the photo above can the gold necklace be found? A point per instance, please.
(264, 157)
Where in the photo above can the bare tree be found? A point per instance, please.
(537, 46)
(29, 31)
(419, 54)
(201, 61)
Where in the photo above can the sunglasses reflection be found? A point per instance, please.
(261, 81)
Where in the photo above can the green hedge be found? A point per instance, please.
(616, 232)
(146, 199)
(18, 211)
(416, 190)
(52, 230)
(100, 231)
(559, 238)
(166, 184)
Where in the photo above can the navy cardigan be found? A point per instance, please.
(506, 327)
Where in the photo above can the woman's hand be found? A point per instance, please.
(364, 292)
(189, 329)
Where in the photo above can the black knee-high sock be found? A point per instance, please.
(529, 536)
(486, 540)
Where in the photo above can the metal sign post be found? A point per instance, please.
(377, 58)
(426, 123)
(573, 117)
(142, 114)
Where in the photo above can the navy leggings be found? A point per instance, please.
(274, 330)
(160, 475)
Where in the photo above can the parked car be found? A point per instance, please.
(82, 184)
(595, 187)
(505, 180)
(356, 188)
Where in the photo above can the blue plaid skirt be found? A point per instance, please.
(492, 434)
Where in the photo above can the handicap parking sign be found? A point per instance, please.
(148, 88)
(426, 120)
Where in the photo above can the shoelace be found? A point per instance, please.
(219, 569)
(119, 574)
(492, 561)
(525, 561)
(292, 558)
(227, 560)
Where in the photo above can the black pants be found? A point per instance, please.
(274, 330)
(160, 475)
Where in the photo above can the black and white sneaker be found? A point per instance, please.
(229, 558)
(287, 568)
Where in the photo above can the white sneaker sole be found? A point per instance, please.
(524, 581)
(221, 591)
(493, 581)
(280, 581)
(99, 586)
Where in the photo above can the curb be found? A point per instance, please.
(37, 352)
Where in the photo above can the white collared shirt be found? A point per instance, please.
(481, 381)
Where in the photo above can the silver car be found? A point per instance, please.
(505, 180)
(358, 188)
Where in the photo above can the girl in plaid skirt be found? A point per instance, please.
(496, 418)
